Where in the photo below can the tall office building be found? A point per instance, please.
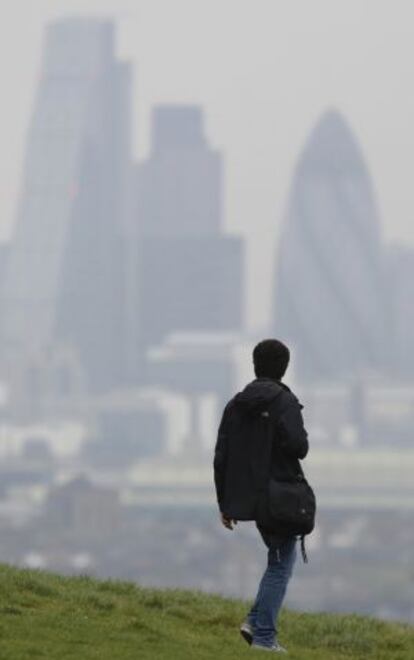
(180, 185)
(64, 282)
(330, 300)
(400, 281)
(190, 274)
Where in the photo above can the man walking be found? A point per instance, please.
(242, 467)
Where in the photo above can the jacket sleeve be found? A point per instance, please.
(291, 433)
(220, 458)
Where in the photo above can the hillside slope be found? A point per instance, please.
(44, 615)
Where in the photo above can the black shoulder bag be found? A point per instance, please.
(288, 504)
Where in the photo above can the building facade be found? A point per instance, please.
(189, 274)
(330, 300)
(63, 282)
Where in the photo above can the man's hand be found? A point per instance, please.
(227, 522)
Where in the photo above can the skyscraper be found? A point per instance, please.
(400, 280)
(64, 282)
(180, 184)
(190, 274)
(330, 296)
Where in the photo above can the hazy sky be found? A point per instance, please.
(264, 70)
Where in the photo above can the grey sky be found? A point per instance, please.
(264, 70)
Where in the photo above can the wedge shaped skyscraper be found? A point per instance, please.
(63, 281)
(329, 301)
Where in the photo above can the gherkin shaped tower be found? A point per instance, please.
(330, 301)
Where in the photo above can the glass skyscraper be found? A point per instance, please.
(330, 299)
(63, 282)
(190, 274)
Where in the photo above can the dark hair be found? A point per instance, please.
(270, 358)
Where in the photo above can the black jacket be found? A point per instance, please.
(241, 462)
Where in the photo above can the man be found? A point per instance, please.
(242, 467)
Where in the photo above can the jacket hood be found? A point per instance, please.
(258, 394)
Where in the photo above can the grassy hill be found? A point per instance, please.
(44, 615)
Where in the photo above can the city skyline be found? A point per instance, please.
(109, 257)
(161, 261)
(255, 113)
(123, 291)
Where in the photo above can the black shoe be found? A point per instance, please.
(246, 631)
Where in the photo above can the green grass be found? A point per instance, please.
(45, 615)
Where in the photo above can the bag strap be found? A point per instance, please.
(267, 418)
(303, 549)
(271, 418)
(272, 414)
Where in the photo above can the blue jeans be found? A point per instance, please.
(265, 609)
